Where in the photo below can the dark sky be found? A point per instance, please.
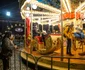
(5, 2)
(12, 6)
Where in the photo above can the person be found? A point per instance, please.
(44, 34)
(48, 31)
(68, 31)
(79, 32)
(54, 32)
(7, 49)
(35, 33)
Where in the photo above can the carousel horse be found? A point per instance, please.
(80, 40)
(68, 33)
(53, 42)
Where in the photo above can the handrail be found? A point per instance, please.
(27, 55)
(36, 60)
(67, 57)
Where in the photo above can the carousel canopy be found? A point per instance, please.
(45, 11)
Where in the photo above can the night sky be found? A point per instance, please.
(12, 6)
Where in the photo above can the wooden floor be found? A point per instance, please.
(76, 63)
(58, 53)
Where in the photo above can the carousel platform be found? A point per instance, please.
(76, 61)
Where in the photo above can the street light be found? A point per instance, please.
(8, 13)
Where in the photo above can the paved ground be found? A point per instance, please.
(15, 63)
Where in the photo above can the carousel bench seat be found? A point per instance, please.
(39, 39)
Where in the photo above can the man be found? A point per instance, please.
(68, 31)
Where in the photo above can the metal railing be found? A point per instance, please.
(17, 64)
(20, 65)
(64, 57)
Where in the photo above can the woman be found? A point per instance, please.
(6, 49)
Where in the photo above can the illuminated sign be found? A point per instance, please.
(18, 29)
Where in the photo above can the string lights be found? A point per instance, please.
(50, 13)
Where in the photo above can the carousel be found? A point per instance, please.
(54, 43)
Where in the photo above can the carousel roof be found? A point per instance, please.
(50, 9)
(56, 3)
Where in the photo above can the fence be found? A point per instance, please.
(17, 64)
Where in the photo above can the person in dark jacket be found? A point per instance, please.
(6, 50)
(44, 34)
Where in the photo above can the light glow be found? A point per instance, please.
(67, 5)
(27, 15)
(38, 12)
(8, 13)
(28, 8)
(38, 21)
(34, 6)
(41, 5)
(80, 7)
(51, 15)
(28, 0)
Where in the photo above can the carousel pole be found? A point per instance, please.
(61, 33)
(25, 33)
(49, 24)
(31, 23)
(42, 23)
(42, 27)
(31, 47)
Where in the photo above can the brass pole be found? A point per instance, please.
(61, 32)
(25, 33)
(31, 23)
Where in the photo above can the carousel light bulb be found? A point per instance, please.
(27, 15)
(28, 0)
(15, 24)
(19, 24)
(38, 21)
(34, 6)
(49, 22)
(28, 8)
(11, 26)
(22, 25)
